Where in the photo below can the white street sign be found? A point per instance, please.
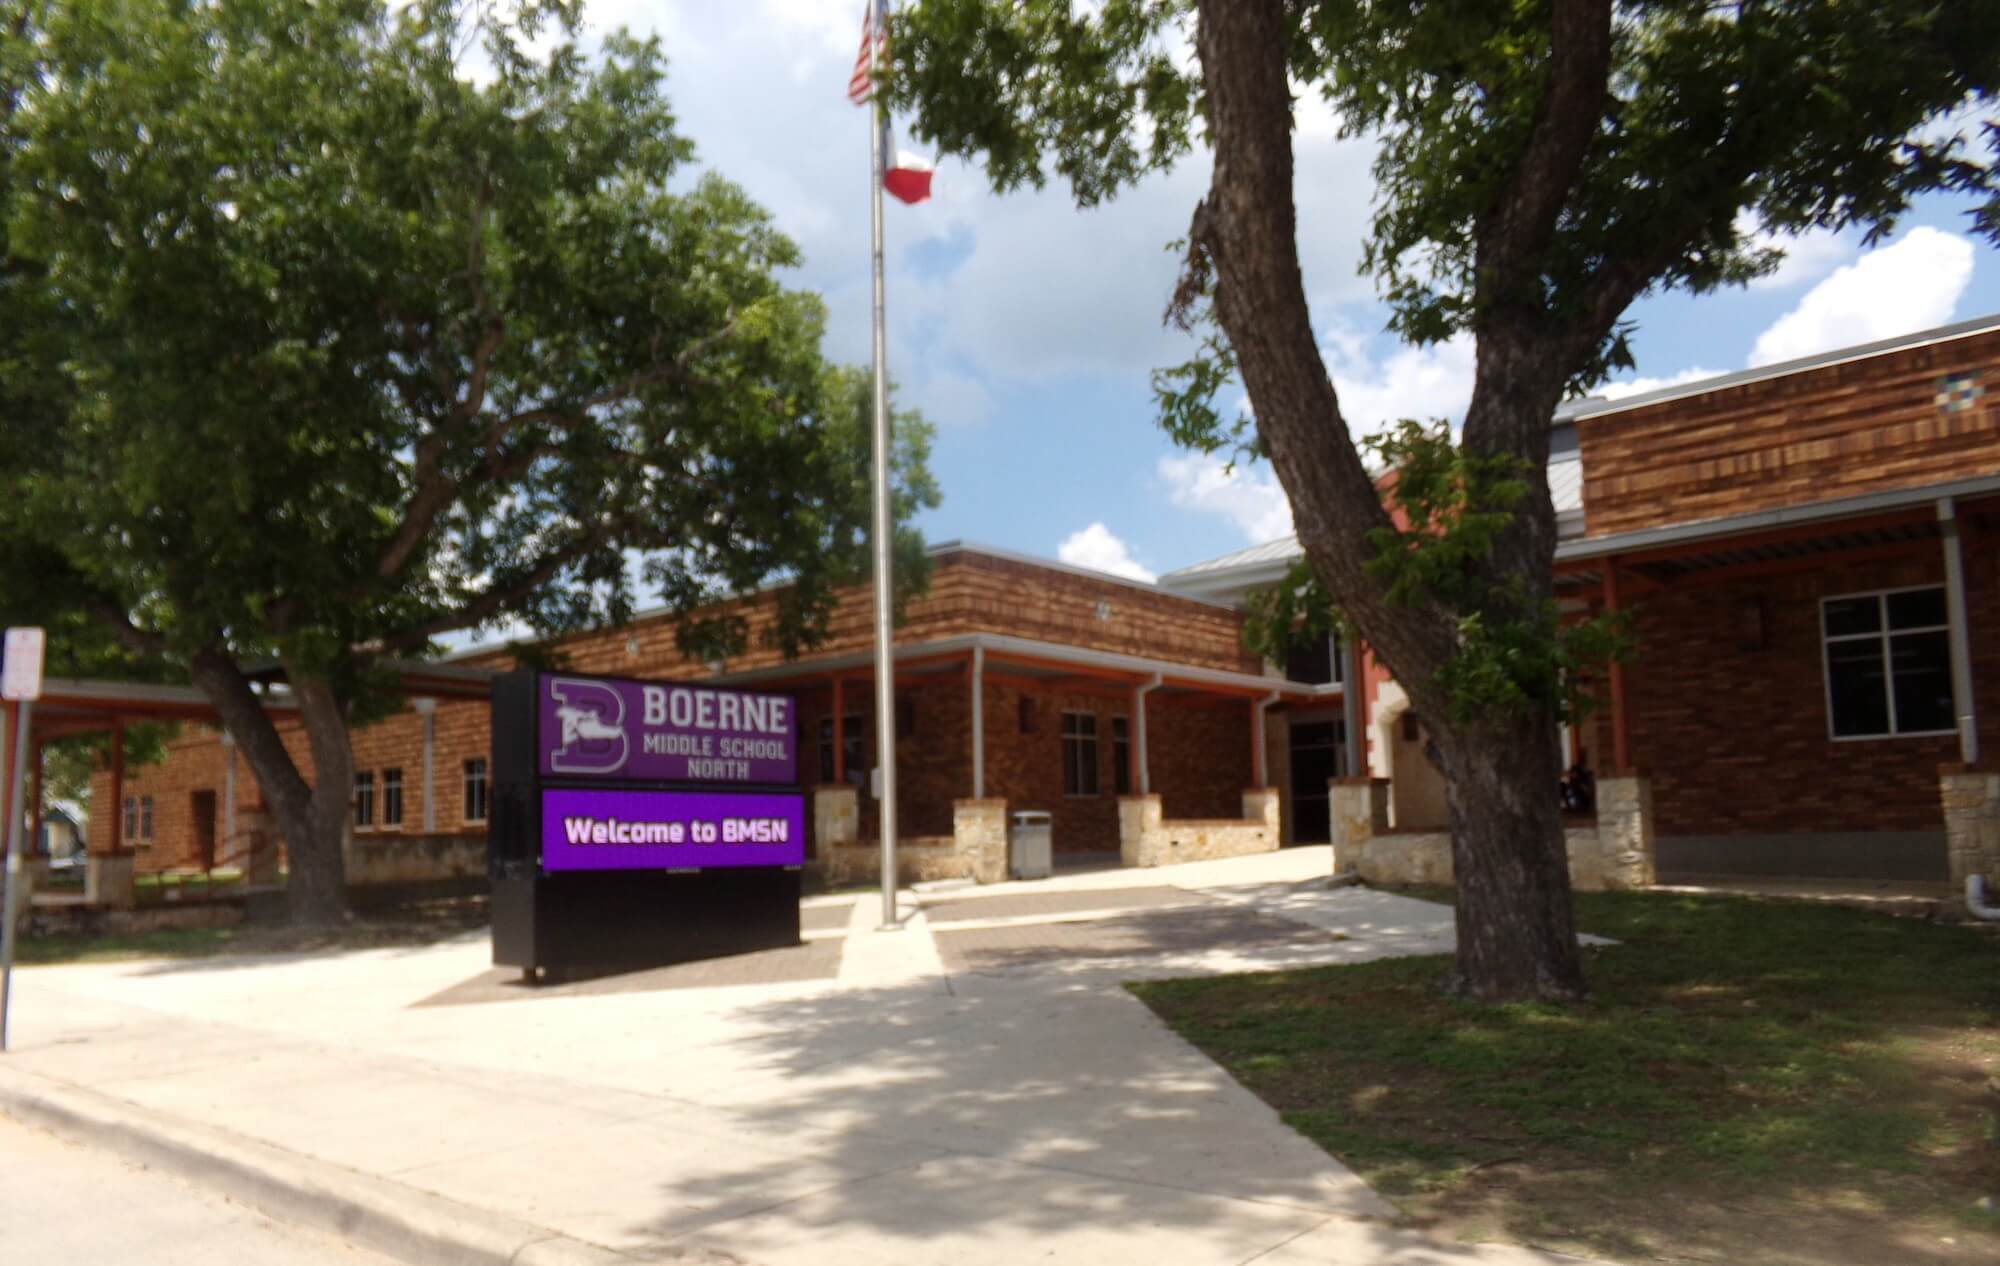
(21, 675)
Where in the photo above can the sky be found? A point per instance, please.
(1026, 330)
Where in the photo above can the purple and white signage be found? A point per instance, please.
(594, 727)
(590, 829)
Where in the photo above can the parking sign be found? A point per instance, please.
(21, 674)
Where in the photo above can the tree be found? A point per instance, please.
(346, 326)
(1541, 165)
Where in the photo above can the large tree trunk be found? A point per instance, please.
(1516, 936)
(312, 818)
(1516, 930)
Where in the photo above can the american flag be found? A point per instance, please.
(861, 84)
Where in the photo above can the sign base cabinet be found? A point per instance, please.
(640, 871)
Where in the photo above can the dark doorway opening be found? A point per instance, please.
(1315, 747)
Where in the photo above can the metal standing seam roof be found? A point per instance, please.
(1272, 557)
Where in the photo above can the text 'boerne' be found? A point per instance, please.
(693, 708)
(585, 830)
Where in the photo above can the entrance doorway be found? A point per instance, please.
(201, 805)
(1315, 750)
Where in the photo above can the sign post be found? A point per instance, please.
(20, 685)
(641, 823)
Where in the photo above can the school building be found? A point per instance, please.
(1810, 552)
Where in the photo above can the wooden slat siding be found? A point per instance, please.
(1839, 431)
(969, 592)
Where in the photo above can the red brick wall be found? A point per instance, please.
(1737, 741)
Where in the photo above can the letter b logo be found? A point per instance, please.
(592, 717)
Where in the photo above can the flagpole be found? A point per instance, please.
(885, 679)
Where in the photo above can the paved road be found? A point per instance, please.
(65, 1203)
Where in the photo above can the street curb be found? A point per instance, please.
(377, 1214)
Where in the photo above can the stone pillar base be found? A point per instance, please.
(979, 832)
(1626, 856)
(1359, 808)
(107, 880)
(1971, 827)
(1140, 831)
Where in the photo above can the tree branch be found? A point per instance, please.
(1518, 226)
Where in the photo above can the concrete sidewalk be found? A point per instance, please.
(974, 1088)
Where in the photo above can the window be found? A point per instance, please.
(364, 798)
(1121, 756)
(392, 797)
(854, 742)
(1315, 664)
(1888, 663)
(145, 819)
(131, 817)
(475, 790)
(1079, 748)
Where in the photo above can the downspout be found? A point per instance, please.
(1139, 694)
(1975, 900)
(1263, 741)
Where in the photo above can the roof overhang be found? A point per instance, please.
(1048, 660)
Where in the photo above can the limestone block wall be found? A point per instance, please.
(1616, 853)
(976, 849)
(414, 859)
(1972, 824)
(1147, 837)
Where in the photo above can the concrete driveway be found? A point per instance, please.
(972, 1088)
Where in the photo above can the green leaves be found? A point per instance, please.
(356, 326)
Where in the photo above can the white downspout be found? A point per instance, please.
(1264, 742)
(1975, 899)
(1139, 694)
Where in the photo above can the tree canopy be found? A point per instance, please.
(335, 328)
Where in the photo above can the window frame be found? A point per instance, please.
(392, 796)
(1884, 635)
(146, 819)
(485, 784)
(853, 729)
(1066, 738)
(364, 799)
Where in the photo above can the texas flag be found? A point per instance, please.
(908, 177)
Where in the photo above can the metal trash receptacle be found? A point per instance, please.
(1030, 846)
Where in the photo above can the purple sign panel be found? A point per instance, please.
(666, 830)
(596, 727)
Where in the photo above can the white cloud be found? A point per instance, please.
(1097, 548)
(1640, 386)
(1252, 501)
(1808, 256)
(1410, 382)
(1906, 286)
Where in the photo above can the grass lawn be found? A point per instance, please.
(1752, 1082)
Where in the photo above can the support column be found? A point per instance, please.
(1621, 748)
(39, 802)
(228, 794)
(427, 709)
(1143, 780)
(839, 734)
(978, 723)
(1960, 634)
(117, 787)
(1352, 688)
(836, 827)
(1260, 772)
(1359, 808)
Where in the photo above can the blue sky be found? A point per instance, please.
(1026, 330)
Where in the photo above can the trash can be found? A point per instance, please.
(1029, 847)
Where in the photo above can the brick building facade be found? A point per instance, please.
(1810, 553)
